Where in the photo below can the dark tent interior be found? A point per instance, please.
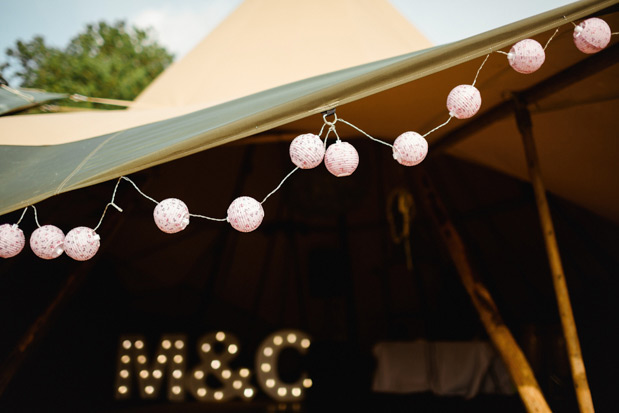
(332, 258)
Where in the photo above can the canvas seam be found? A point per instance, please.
(84, 161)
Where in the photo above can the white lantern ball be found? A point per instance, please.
(526, 56)
(341, 159)
(12, 240)
(171, 215)
(47, 242)
(592, 35)
(463, 101)
(410, 148)
(307, 151)
(81, 243)
(245, 214)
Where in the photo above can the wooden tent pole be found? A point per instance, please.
(503, 340)
(583, 393)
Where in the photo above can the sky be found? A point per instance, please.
(180, 24)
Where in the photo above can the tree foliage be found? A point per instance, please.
(105, 60)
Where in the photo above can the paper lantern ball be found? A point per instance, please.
(526, 56)
(341, 159)
(463, 101)
(592, 35)
(81, 243)
(47, 242)
(171, 215)
(12, 240)
(410, 148)
(307, 151)
(245, 214)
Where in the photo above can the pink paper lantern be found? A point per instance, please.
(12, 240)
(307, 151)
(171, 215)
(592, 35)
(81, 243)
(341, 159)
(463, 101)
(47, 242)
(410, 148)
(526, 56)
(245, 214)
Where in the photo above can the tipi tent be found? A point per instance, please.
(324, 260)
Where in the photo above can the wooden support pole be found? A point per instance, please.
(515, 361)
(583, 394)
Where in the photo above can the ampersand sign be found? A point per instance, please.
(235, 383)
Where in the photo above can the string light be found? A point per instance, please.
(307, 151)
(46, 241)
(171, 215)
(463, 101)
(592, 35)
(341, 159)
(410, 148)
(12, 239)
(245, 214)
(526, 56)
(81, 243)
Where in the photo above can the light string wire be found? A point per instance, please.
(138, 189)
(366, 134)
(551, 37)
(332, 128)
(36, 218)
(547, 43)
(155, 201)
(439, 126)
(22, 216)
(111, 203)
(280, 185)
(479, 70)
(209, 218)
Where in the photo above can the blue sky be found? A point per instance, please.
(181, 24)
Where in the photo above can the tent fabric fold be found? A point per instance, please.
(33, 173)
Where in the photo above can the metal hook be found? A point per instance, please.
(329, 113)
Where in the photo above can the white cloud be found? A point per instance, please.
(180, 28)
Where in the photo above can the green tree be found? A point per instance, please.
(105, 60)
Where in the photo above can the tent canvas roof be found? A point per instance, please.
(401, 93)
(262, 45)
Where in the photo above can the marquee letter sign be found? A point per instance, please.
(134, 366)
(267, 369)
(235, 383)
(216, 351)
